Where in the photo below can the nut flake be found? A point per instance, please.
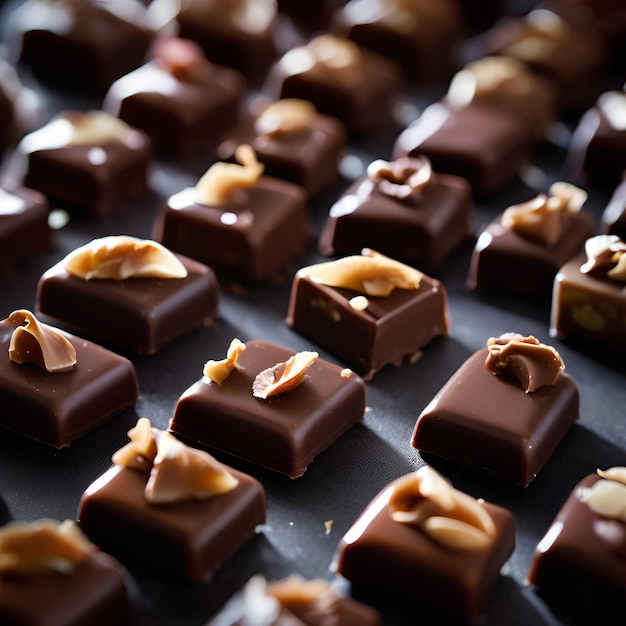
(218, 371)
(370, 273)
(142, 449)
(95, 127)
(403, 179)
(38, 343)
(224, 181)
(335, 52)
(607, 497)
(451, 518)
(283, 376)
(120, 257)
(289, 115)
(294, 591)
(41, 547)
(606, 257)
(182, 58)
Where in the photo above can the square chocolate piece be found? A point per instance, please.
(55, 408)
(448, 580)
(355, 85)
(284, 432)
(93, 591)
(88, 163)
(421, 223)
(487, 146)
(190, 539)
(490, 423)
(590, 308)
(140, 313)
(24, 227)
(578, 567)
(386, 330)
(181, 100)
(81, 46)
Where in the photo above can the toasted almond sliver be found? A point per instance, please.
(142, 449)
(607, 498)
(218, 371)
(455, 534)
(283, 376)
(614, 473)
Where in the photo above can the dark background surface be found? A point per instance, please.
(36, 481)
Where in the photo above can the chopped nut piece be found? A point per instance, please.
(95, 127)
(40, 344)
(41, 547)
(181, 473)
(335, 52)
(182, 58)
(295, 591)
(531, 363)
(288, 115)
(218, 371)
(142, 449)
(283, 376)
(449, 517)
(223, 182)
(607, 497)
(359, 303)
(404, 179)
(370, 273)
(120, 257)
(606, 257)
(614, 473)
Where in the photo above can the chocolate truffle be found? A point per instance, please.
(171, 506)
(503, 412)
(65, 385)
(523, 248)
(597, 151)
(81, 45)
(614, 215)
(66, 581)
(270, 406)
(486, 146)
(353, 84)
(88, 163)
(438, 547)
(421, 36)
(294, 142)
(579, 567)
(402, 209)
(246, 226)
(128, 292)
(236, 33)
(24, 227)
(589, 300)
(181, 100)
(294, 601)
(368, 310)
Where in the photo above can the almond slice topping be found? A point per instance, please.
(120, 257)
(41, 547)
(40, 344)
(142, 449)
(370, 273)
(224, 181)
(181, 473)
(283, 376)
(218, 371)
(288, 115)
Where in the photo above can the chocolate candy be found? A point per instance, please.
(24, 227)
(182, 101)
(88, 163)
(57, 407)
(491, 424)
(452, 579)
(385, 329)
(578, 567)
(488, 147)
(420, 222)
(283, 433)
(614, 215)
(141, 313)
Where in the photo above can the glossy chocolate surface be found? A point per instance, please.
(483, 145)
(283, 433)
(392, 329)
(378, 553)
(506, 261)
(308, 157)
(182, 117)
(252, 239)
(579, 572)
(422, 233)
(489, 424)
(56, 408)
(588, 309)
(94, 593)
(24, 227)
(140, 314)
(188, 539)
(614, 215)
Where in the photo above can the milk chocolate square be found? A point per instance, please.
(283, 433)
